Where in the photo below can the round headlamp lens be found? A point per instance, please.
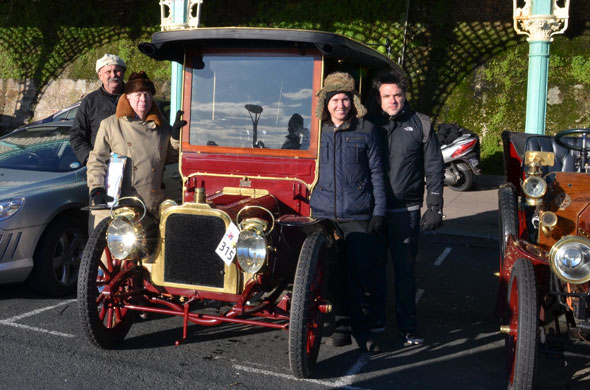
(570, 259)
(534, 187)
(251, 248)
(121, 238)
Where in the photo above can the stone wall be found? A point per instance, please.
(17, 98)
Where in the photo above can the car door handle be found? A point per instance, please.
(176, 175)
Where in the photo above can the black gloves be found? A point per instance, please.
(432, 219)
(178, 123)
(98, 196)
(375, 223)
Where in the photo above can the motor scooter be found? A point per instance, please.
(460, 150)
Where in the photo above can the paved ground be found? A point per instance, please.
(471, 216)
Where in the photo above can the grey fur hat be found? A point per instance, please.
(338, 82)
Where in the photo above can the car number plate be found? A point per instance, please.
(226, 249)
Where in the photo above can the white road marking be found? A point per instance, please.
(12, 320)
(27, 327)
(442, 257)
(344, 382)
(419, 293)
(445, 358)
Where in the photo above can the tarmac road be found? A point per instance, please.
(43, 347)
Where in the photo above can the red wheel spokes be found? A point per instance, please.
(107, 305)
(313, 326)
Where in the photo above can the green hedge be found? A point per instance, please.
(466, 63)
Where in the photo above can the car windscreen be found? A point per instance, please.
(45, 148)
(252, 100)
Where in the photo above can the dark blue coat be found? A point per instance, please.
(351, 180)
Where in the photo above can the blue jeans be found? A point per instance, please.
(401, 232)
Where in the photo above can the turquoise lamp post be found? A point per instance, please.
(540, 20)
(178, 15)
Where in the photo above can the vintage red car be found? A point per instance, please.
(243, 239)
(544, 214)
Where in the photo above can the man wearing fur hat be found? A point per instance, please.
(350, 191)
(97, 105)
(413, 155)
(138, 132)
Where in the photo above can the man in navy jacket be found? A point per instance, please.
(350, 191)
(413, 155)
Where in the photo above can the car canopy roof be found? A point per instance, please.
(170, 45)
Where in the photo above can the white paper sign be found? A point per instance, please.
(227, 246)
(114, 177)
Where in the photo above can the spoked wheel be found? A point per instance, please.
(306, 318)
(466, 178)
(508, 216)
(521, 338)
(104, 319)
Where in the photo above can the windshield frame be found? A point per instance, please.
(194, 55)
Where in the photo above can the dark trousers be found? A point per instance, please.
(401, 233)
(355, 284)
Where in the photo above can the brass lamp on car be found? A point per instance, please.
(570, 259)
(547, 222)
(131, 233)
(252, 246)
(534, 187)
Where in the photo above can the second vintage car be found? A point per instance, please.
(544, 209)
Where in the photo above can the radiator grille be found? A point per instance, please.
(190, 246)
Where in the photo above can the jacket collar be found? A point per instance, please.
(346, 125)
(124, 110)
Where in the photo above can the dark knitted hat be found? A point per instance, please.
(334, 83)
(139, 81)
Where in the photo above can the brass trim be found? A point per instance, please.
(250, 177)
(548, 221)
(546, 159)
(233, 278)
(251, 192)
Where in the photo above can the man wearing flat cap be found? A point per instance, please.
(98, 105)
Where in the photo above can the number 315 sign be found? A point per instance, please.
(226, 249)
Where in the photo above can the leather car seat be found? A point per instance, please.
(565, 159)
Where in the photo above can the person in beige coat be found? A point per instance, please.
(138, 132)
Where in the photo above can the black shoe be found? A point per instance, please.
(339, 339)
(368, 343)
(412, 338)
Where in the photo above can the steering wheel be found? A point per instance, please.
(584, 148)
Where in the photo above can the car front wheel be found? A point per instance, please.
(57, 257)
(521, 337)
(104, 285)
(306, 318)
